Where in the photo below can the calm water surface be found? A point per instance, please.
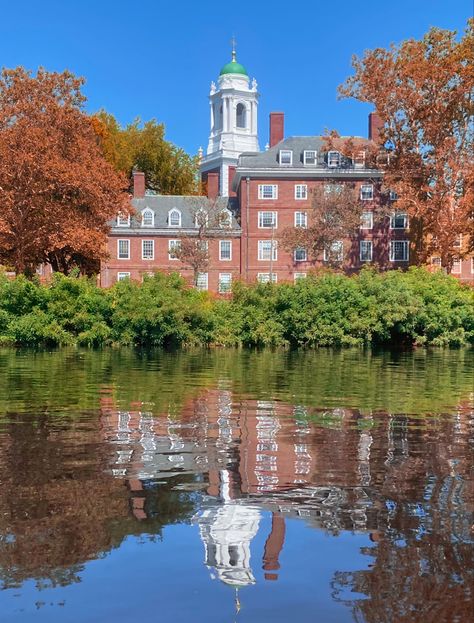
(236, 486)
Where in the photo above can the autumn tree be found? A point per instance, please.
(424, 93)
(168, 169)
(335, 215)
(210, 217)
(57, 190)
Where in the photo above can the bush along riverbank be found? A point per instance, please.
(329, 309)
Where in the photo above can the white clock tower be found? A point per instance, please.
(233, 103)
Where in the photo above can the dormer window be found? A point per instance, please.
(174, 218)
(225, 218)
(310, 157)
(286, 156)
(359, 160)
(148, 218)
(123, 221)
(334, 158)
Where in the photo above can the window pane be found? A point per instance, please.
(366, 192)
(301, 191)
(201, 281)
(147, 218)
(300, 219)
(365, 250)
(333, 158)
(399, 250)
(172, 245)
(310, 157)
(265, 250)
(286, 156)
(300, 255)
(265, 277)
(267, 191)
(148, 249)
(366, 220)
(123, 249)
(225, 282)
(398, 220)
(267, 219)
(225, 249)
(175, 218)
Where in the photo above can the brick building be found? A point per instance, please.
(262, 193)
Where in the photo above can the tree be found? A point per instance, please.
(423, 91)
(57, 190)
(209, 217)
(168, 169)
(335, 215)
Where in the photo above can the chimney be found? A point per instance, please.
(277, 127)
(212, 185)
(375, 126)
(138, 184)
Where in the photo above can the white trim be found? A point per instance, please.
(369, 189)
(172, 243)
(284, 153)
(305, 157)
(297, 276)
(204, 285)
(127, 240)
(121, 276)
(305, 259)
(274, 224)
(229, 283)
(265, 277)
(304, 219)
(261, 192)
(406, 253)
(303, 191)
(333, 160)
(456, 269)
(370, 247)
(148, 211)
(225, 259)
(126, 222)
(178, 212)
(371, 219)
(394, 215)
(273, 247)
(152, 249)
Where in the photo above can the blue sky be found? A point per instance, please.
(156, 59)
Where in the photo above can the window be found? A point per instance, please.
(359, 160)
(335, 252)
(456, 267)
(333, 188)
(399, 251)
(265, 277)
(123, 276)
(123, 221)
(267, 220)
(365, 249)
(301, 191)
(225, 249)
(265, 252)
(301, 219)
(225, 282)
(458, 242)
(399, 220)
(393, 195)
(225, 218)
(267, 191)
(240, 116)
(173, 245)
(148, 218)
(148, 249)
(300, 254)
(123, 249)
(366, 192)
(201, 282)
(436, 261)
(298, 276)
(334, 158)
(174, 218)
(310, 157)
(201, 219)
(366, 220)
(286, 156)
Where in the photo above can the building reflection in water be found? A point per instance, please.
(224, 462)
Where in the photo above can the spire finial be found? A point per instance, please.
(234, 43)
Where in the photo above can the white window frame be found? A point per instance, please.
(370, 246)
(369, 189)
(274, 224)
(393, 196)
(148, 211)
(303, 217)
(305, 259)
(297, 276)
(203, 287)
(225, 220)
(371, 214)
(436, 261)
(392, 250)
(334, 159)
(228, 284)
(221, 258)
(284, 153)
(123, 222)
(306, 157)
(393, 217)
(301, 192)
(121, 276)
(178, 212)
(458, 242)
(152, 249)
(265, 277)
(359, 159)
(340, 244)
(171, 245)
(456, 269)
(127, 240)
(273, 247)
(263, 188)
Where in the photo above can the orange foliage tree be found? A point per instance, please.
(423, 91)
(57, 190)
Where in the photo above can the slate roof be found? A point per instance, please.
(161, 205)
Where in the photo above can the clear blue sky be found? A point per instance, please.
(156, 59)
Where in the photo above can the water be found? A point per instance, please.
(231, 486)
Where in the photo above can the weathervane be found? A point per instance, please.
(234, 44)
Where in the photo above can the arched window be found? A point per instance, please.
(148, 218)
(174, 218)
(240, 115)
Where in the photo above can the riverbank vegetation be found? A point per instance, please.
(327, 309)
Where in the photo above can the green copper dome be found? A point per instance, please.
(233, 68)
